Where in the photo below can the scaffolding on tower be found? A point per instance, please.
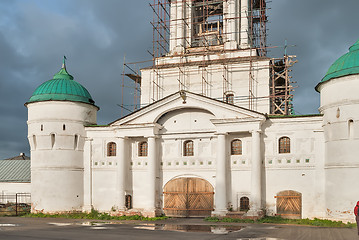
(209, 23)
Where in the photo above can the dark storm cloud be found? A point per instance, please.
(322, 32)
(95, 35)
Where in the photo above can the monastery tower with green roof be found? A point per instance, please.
(58, 110)
(339, 104)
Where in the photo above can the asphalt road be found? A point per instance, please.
(173, 229)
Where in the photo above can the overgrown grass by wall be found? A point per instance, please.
(93, 215)
(278, 220)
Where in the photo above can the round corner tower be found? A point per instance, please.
(340, 108)
(58, 112)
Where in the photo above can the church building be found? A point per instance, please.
(215, 134)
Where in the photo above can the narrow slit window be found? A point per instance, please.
(350, 129)
(34, 141)
(76, 139)
(52, 140)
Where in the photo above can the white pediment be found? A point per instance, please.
(220, 112)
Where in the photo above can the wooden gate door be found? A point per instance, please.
(188, 197)
(289, 204)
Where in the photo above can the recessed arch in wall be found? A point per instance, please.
(172, 110)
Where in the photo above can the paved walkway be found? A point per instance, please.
(52, 228)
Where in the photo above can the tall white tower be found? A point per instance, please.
(58, 110)
(339, 104)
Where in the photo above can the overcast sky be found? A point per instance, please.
(96, 34)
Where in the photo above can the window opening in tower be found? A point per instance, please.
(207, 16)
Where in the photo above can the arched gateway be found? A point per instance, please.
(188, 197)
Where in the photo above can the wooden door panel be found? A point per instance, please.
(185, 197)
(289, 204)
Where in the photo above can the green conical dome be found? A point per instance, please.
(348, 64)
(61, 88)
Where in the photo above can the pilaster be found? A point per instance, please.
(244, 43)
(256, 175)
(220, 196)
(121, 174)
(152, 173)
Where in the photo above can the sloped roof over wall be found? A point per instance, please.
(15, 171)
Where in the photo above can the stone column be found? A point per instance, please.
(244, 24)
(152, 173)
(256, 190)
(121, 173)
(221, 183)
(87, 205)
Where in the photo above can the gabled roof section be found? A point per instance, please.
(15, 170)
(184, 99)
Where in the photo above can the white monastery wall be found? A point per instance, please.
(8, 188)
(301, 170)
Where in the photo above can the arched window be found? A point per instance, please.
(236, 147)
(284, 145)
(244, 204)
(188, 148)
(142, 149)
(230, 98)
(111, 149)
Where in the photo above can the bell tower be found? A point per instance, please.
(204, 23)
(216, 48)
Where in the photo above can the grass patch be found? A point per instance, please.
(93, 215)
(279, 220)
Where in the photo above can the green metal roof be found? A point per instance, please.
(348, 64)
(61, 88)
(15, 171)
